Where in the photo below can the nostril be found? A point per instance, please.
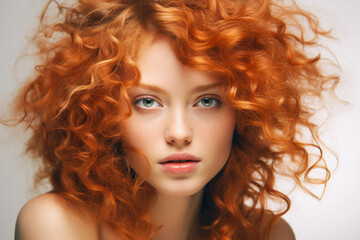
(178, 130)
(184, 141)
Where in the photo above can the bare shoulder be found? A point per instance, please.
(47, 217)
(282, 231)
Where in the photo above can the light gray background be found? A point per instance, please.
(336, 216)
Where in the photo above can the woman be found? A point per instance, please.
(170, 119)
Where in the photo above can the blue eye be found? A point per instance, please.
(207, 102)
(147, 103)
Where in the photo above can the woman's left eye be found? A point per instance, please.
(207, 102)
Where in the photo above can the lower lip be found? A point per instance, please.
(179, 168)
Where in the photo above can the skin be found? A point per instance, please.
(173, 115)
(170, 115)
(177, 110)
(47, 217)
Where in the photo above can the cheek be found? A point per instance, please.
(217, 135)
(221, 128)
(134, 137)
(138, 133)
(224, 142)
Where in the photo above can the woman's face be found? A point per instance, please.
(178, 122)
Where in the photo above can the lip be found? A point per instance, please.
(182, 167)
(179, 157)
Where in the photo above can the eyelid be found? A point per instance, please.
(210, 96)
(141, 97)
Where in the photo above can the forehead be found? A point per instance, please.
(159, 65)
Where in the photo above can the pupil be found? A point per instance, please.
(148, 102)
(207, 101)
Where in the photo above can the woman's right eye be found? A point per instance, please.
(147, 103)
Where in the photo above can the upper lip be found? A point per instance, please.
(179, 156)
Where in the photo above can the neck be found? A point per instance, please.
(178, 216)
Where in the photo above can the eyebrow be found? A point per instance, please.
(207, 87)
(196, 89)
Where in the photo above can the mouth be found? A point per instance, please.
(179, 158)
(180, 163)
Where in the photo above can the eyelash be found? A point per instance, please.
(216, 102)
(139, 102)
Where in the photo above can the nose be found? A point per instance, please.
(178, 131)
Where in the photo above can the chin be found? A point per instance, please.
(179, 189)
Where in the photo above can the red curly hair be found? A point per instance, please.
(75, 106)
